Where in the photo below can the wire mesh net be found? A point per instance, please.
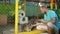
(7, 16)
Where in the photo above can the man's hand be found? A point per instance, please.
(53, 20)
(42, 20)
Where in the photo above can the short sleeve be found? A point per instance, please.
(53, 14)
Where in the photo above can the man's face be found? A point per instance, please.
(42, 10)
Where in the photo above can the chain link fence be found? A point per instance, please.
(7, 16)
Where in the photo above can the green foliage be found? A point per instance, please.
(58, 13)
(7, 9)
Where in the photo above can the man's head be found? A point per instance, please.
(43, 8)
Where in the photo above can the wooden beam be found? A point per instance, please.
(25, 6)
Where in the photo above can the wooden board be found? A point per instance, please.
(3, 19)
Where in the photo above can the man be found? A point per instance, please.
(50, 19)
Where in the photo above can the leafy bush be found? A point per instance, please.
(8, 9)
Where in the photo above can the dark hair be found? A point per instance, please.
(44, 7)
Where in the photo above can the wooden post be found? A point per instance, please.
(51, 4)
(25, 6)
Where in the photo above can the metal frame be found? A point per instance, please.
(16, 15)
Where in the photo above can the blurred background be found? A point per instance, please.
(31, 8)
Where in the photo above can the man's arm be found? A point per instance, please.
(53, 20)
(42, 20)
